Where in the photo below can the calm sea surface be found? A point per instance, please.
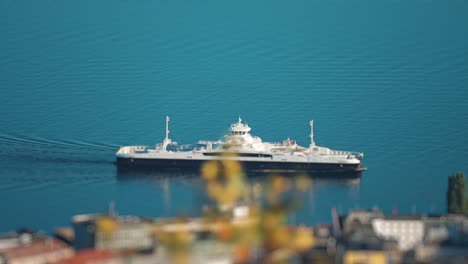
(80, 78)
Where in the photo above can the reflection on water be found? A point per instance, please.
(155, 176)
(324, 194)
(353, 177)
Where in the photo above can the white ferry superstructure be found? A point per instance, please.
(254, 155)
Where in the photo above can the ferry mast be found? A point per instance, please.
(312, 143)
(167, 140)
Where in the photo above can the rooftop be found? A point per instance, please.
(35, 248)
(88, 256)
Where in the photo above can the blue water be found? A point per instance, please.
(80, 78)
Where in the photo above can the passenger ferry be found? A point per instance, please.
(239, 145)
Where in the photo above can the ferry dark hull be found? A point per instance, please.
(336, 170)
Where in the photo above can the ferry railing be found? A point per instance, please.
(206, 142)
(358, 155)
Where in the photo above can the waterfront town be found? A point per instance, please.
(254, 230)
(361, 236)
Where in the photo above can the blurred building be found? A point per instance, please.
(84, 231)
(39, 251)
(369, 236)
(445, 240)
(408, 231)
(14, 239)
(91, 256)
(365, 257)
(122, 233)
(20, 237)
(323, 250)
